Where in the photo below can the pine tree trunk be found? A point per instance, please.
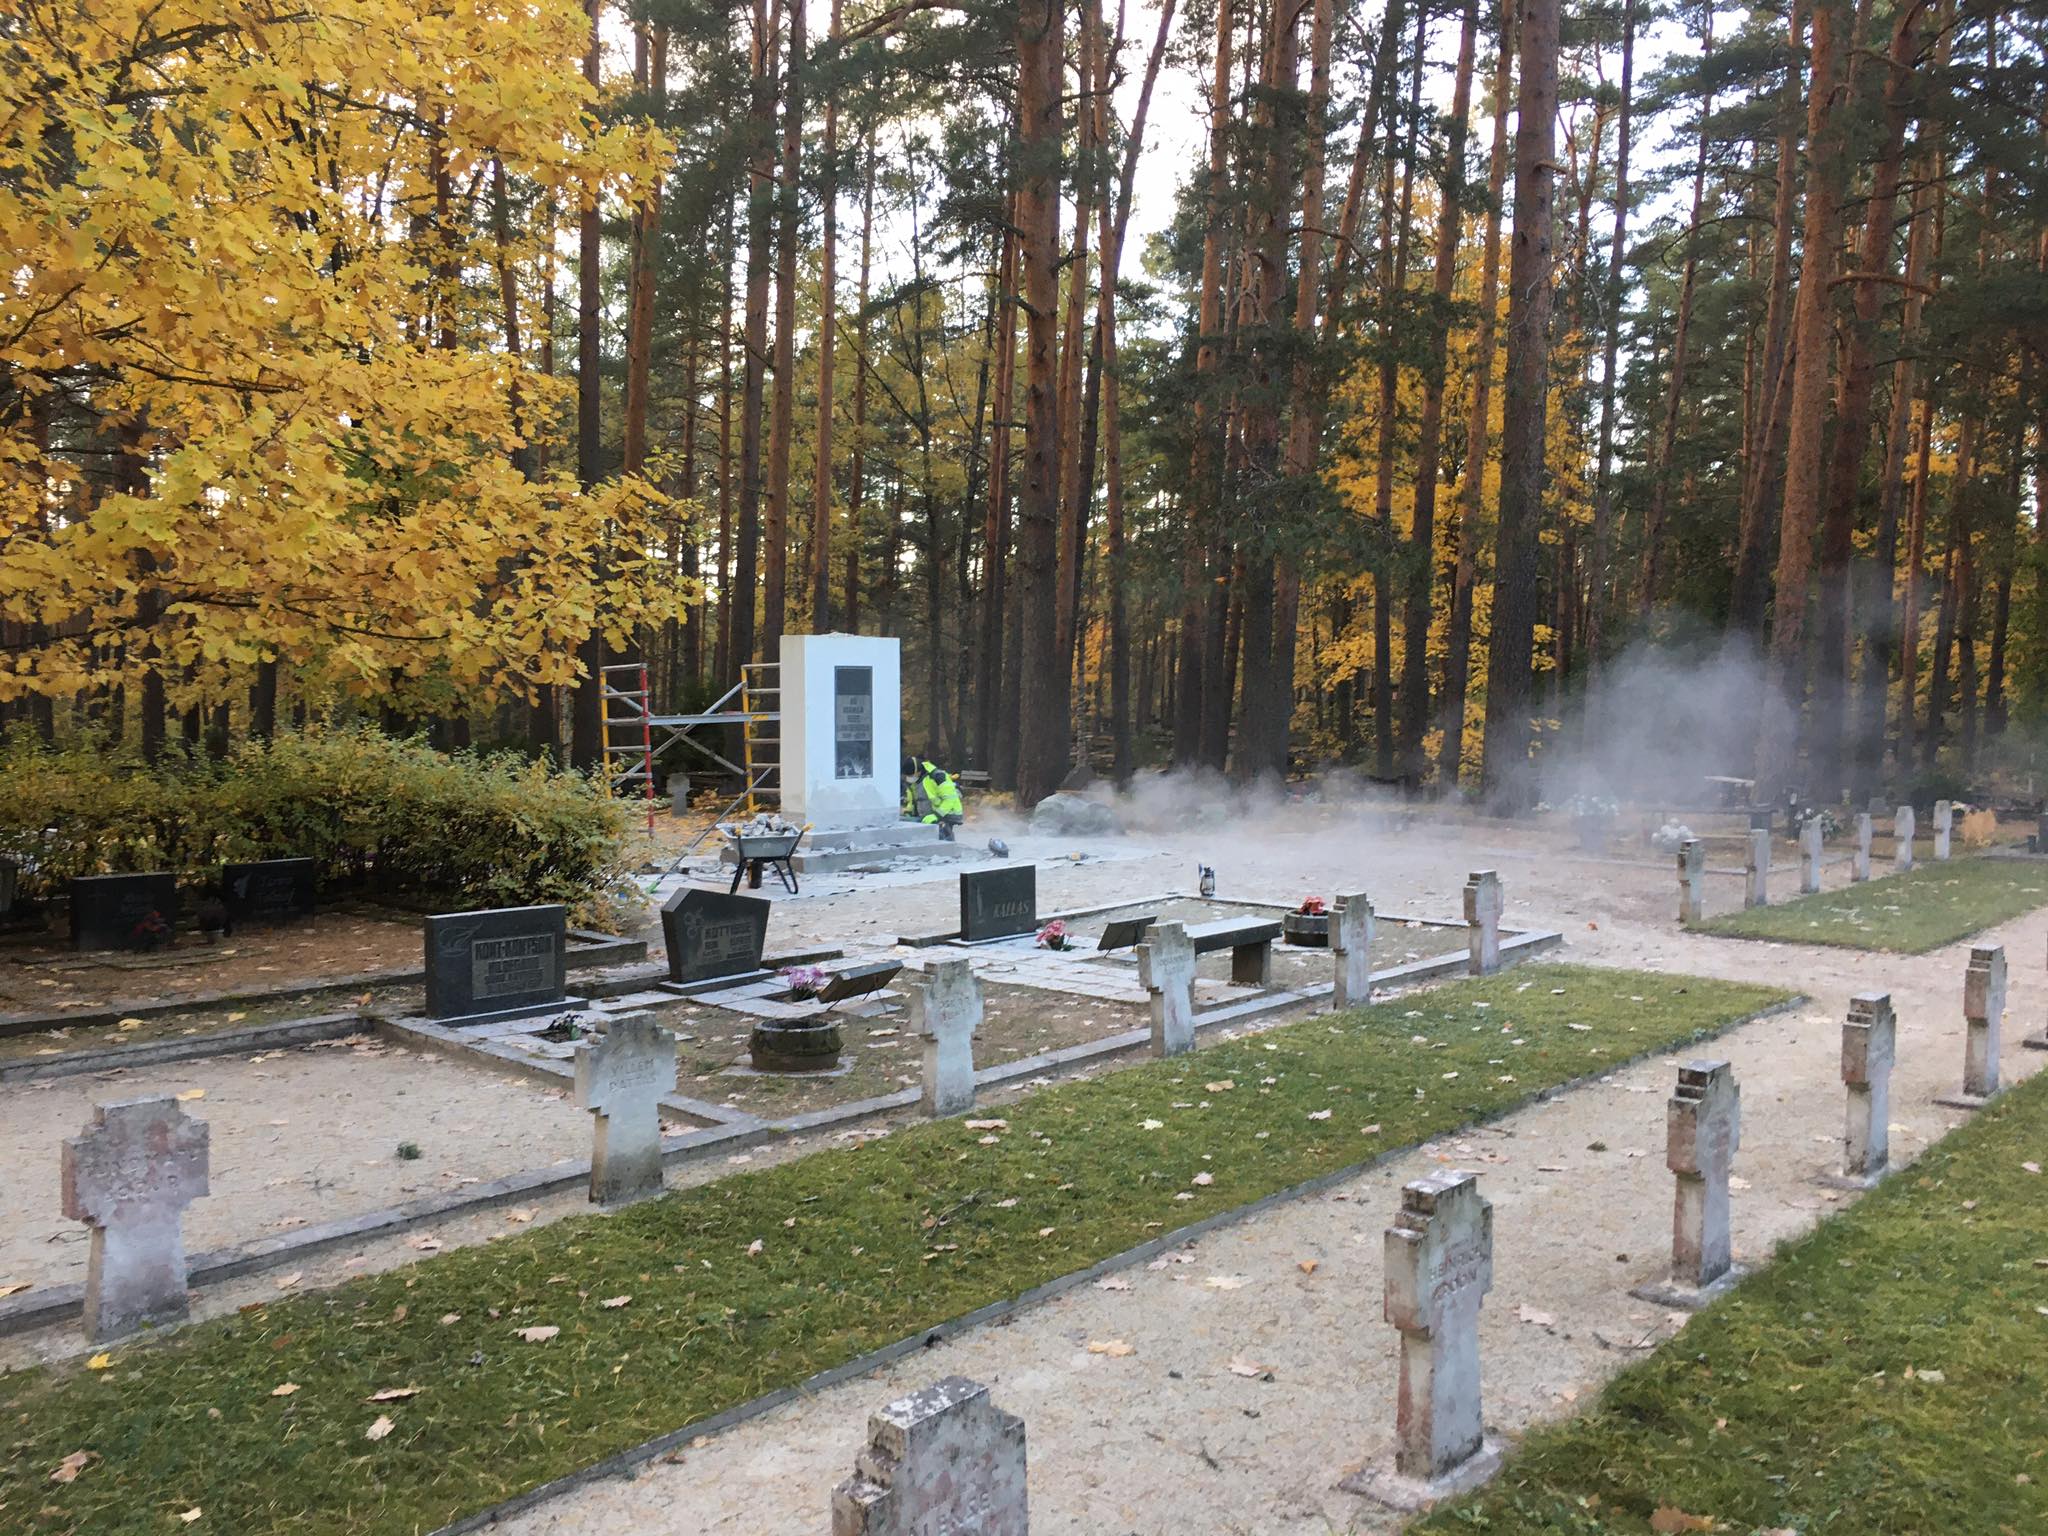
(586, 728)
(650, 74)
(828, 344)
(746, 574)
(995, 727)
(1600, 597)
(1074, 494)
(775, 523)
(856, 471)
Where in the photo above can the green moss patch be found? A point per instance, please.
(661, 1315)
(1887, 1375)
(1929, 906)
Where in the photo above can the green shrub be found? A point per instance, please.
(381, 816)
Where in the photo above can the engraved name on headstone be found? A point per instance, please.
(1944, 824)
(1865, 830)
(620, 1080)
(1483, 906)
(1702, 1130)
(1166, 967)
(1810, 856)
(123, 911)
(268, 891)
(946, 1012)
(1692, 880)
(944, 1461)
(1869, 1046)
(1351, 947)
(1902, 839)
(1983, 1016)
(499, 960)
(129, 1176)
(998, 903)
(709, 934)
(1756, 886)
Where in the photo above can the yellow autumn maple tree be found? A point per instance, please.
(256, 402)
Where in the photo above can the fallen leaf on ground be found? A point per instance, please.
(1735, 1182)
(69, 1468)
(987, 1125)
(450, 1317)
(99, 1362)
(286, 1282)
(1113, 1283)
(1225, 1283)
(1307, 1266)
(1937, 1377)
(1669, 1519)
(1150, 1125)
(380, 1429)
(392, 1395)
(425, 1242)
(194, 1513)
(1116, 1349)
(284, 1389)
(524, 1213)
(236, 1018)
(1047, 1231)
(1368, 1130)
(2030, 1167)
(1319, 1114)
(1239, 1366)
(1529, 1314)
(1204, 1179)
(539, 1334)
(1224, 1086)
(615, 1301)
(128, 1024)
(754, 1249)
(190, 1094)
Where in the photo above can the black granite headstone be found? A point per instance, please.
(710, 934)
(1125, 931)
(496, 961)
(859, 981)
(123, 911)
(268, 891)
(996, 903)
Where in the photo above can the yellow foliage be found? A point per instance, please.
(254, 270)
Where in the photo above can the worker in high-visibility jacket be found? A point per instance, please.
(932, 795)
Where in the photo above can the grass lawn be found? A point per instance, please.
(1932, 905)
(1886, 1376)
(546, 1351)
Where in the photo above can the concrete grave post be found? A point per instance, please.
(1702, 1129)
(1902, 839)
(1351, 947)
(1860, 869)
(1439, 1267)
(1983, 1014)
(621, 1080)
(1869, 1046)
(1756, 889)
(1944, 824)
(1483, 906)
(129, 1176)
(1166, 967)
(1692, 881)
(946, 1012)
(2038, 1040)
(1809, 856)
(943, 1460)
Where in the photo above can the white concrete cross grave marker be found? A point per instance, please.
(1439, 1267)
(621, 1080)
(1903, 828)
(1869, 1047)
(1809, 856)
(1692, 880)
(1483, 906)
(1702, 1129)
(1166, 967)
(1865, 828)
(1756, 889)
(946, 1012)
(1983, 1014)
(2038, 1040)
(1944, 824)
(1351, 947)
(944, 1461)
(129, 1176)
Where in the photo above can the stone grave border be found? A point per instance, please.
(587, 949)
(624, 1462)
(727, 1131)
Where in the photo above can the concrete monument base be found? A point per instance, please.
(565, 1005)
(1409, 1495)
(1686, 1298)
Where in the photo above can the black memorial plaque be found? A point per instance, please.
(123, 911)
(268, 891)
(496, 961)
(859, 981)
(853, 722)
(711, 934)
(1125, 931)
(997, 903)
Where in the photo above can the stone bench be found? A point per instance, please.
(1250, 942)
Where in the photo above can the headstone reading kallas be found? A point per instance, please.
(944, 1461)
(499, 962)
(710, 934)
(1902, 839)
(123, 911)
(268, 891)
(1351, 948)
(1703, 1128)
(1483, 906)
(1944, 825)
(1865, 829)
(998, 903)
(1869, 1046)
(620, 1080)
(946, 1012)
(1439, 1267)
(1166, 968)
(1810, 856)
(1692, 880)
(129, 1176)
(1756, 888)
(1983, 1016)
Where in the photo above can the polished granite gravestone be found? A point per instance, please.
(998, 903)
(859, 981)
(123, 911)
(268, 891)
(1124, 932)
(496, 963)
(709, 934)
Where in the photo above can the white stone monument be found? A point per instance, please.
(1865, 829)
(1166, 967)
(1869, 1047)
(1810, 856)
(1702, 1129)
(946, 1013)
(1983, 1014)
(1439, 1267)
(129, 1176)
(944, 1461)
(1351, 948)
(2038, 1040)
(1944, 824)
(1692, 881)
(1756, 887)
(621, 1080)
(1483, 906)
(1902, 840)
